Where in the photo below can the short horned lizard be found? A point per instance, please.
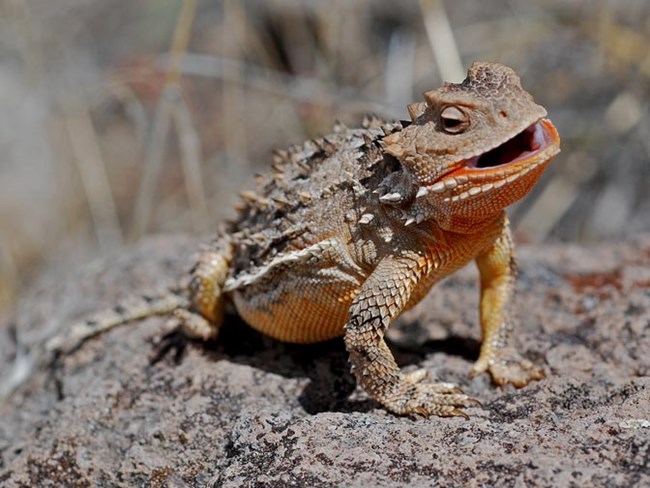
(350, 230)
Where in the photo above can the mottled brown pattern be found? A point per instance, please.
(350, 230)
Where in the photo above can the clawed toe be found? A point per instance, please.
(195, 326)
(416, 376)
(421, 374)
(427, 399)
(517, 374)
(509, 367)
(457, 412)
(516, 371)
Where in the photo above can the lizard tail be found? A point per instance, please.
(128, 311)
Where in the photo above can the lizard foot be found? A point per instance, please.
(184, 325)
(195, 326)
(507, 366)
(426, 399)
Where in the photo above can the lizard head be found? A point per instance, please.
(474, 147)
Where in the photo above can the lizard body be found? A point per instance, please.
(350, 230)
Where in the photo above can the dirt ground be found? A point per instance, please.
(249, 411)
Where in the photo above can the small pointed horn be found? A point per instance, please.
(416, 109)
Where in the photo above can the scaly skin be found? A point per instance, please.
(353, 229)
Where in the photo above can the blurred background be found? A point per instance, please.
(121, 118)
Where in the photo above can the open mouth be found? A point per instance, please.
(520, 148)
(531, 148)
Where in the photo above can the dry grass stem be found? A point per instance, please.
(9, 278)
(233, 122)
(296, 88)
(155, 151)
(181, 40)
(96, 186)
(399, 69)
(153, 161)
(190, 148)
(441, 38)
(117, 90)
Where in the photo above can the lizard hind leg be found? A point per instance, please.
(203, 318)
(199, 307)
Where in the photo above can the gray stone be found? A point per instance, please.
(249, 411)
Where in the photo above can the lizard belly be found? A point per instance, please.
(303, 296)
(302, 312)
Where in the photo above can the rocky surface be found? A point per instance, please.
(249, 411)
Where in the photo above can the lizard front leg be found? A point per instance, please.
(497, 268)
(382, 297)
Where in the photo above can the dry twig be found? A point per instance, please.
(169, 97)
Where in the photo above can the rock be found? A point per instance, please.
(249, 411)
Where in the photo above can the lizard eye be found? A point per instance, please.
(454, 120)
